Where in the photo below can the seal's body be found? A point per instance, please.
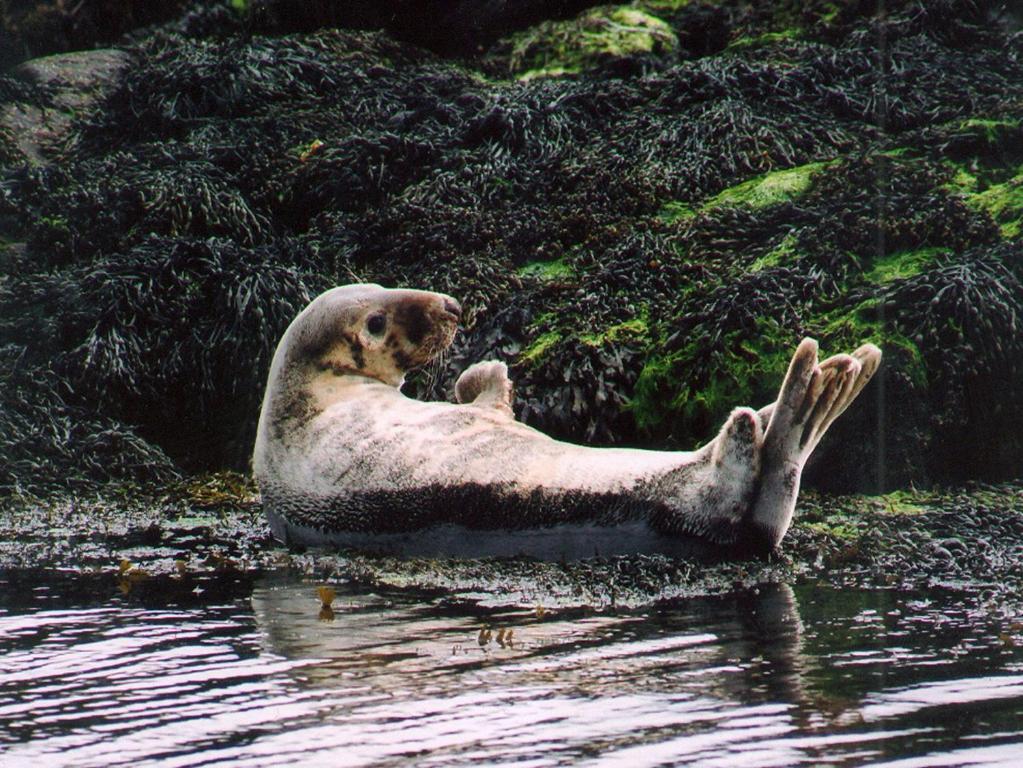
(342, 457)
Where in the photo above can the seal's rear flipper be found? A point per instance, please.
(485, 384)
(811, 398)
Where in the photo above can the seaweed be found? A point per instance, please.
(50, 442)
(202, 320)
(965, 316)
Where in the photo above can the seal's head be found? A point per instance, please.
(371, 331)
(349, 334)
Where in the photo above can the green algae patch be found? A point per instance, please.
(767, 39)
(558, 269)
(963, 181)
(1004, 204)
(994, 132)
(988, 174)
(783, 253)
(768, 189)
(647, 404)
(559, 48)
(662, 6)
(749, 369)
(630, 329)
(533, 355)
(902, 503)
(675, 211)
(903, 264)
(540, 346)
(847, 328)
(837, 527)
(771, 188)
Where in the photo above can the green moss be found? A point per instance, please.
(837, 527)
(545, 72)
(647, 403)
(675, 210)
(661, 6)
(1003, 203)
(897, 152)
(963, 181)
(541, 345)
(829, 13)
(783, 253)
(847, 328)
(546, 340)
(637, 327)
(899, 266)
(56, 223)
(902, 503)
(547, 270)
(770, 189)
(558, 48)
(748, 370)
(748, 366)
(766, 39)
(240, 6)
(993, 131)
(991, 182)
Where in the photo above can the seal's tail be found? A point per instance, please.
(811, 398)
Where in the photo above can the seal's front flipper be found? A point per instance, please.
(485, 384)
(736, 450)
(735, 457)
(811, 398)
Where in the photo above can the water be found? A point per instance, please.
(767, 677)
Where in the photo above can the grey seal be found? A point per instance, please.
(343, 458)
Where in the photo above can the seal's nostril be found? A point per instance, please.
(452, 306)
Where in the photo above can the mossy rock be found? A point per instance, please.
(595, 38)
(773, 188)
(1002, 202)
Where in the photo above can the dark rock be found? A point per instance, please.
(72, 82)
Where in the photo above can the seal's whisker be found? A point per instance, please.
(435, 370)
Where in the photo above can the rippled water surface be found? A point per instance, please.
(768, 677)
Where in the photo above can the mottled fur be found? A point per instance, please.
(343, 457)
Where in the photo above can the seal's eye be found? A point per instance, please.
(376, 324)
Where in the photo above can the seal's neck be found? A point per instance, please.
(331, 386)
(339, 370)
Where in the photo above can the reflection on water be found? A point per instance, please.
(771, 677)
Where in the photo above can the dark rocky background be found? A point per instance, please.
(642, 208)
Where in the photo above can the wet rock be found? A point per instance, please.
(72, 82)
(209, 534)
(34, 28)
